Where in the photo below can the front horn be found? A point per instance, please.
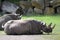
(54, 26)
(50, 25)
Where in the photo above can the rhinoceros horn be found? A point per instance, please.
(54, 26)
(50, 25)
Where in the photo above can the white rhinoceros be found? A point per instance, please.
(26, 27)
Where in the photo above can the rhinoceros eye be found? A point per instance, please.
(49, 30)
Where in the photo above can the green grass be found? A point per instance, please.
(55, 19)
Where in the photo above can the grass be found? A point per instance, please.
(55, 19)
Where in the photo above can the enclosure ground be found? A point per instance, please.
(29, 37)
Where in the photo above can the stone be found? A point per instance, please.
(36, 10)
(49, 10)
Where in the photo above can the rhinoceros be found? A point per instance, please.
(19, 27)
(7, 17)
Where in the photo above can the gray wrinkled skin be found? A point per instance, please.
(6, 18)
(25, 27)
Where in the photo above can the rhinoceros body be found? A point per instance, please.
(25, 27)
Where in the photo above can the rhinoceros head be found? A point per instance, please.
(49, 28)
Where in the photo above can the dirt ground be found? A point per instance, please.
(27, 37)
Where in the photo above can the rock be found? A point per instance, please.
(25, 5)
(38, 4)
(36, 10)
(49, 10)
(58, 10)
(8, 7)
(30, 10)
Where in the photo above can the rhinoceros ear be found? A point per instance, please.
(54, 26)
(50, 25)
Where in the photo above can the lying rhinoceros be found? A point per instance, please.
(26, 27)
(8, 17)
